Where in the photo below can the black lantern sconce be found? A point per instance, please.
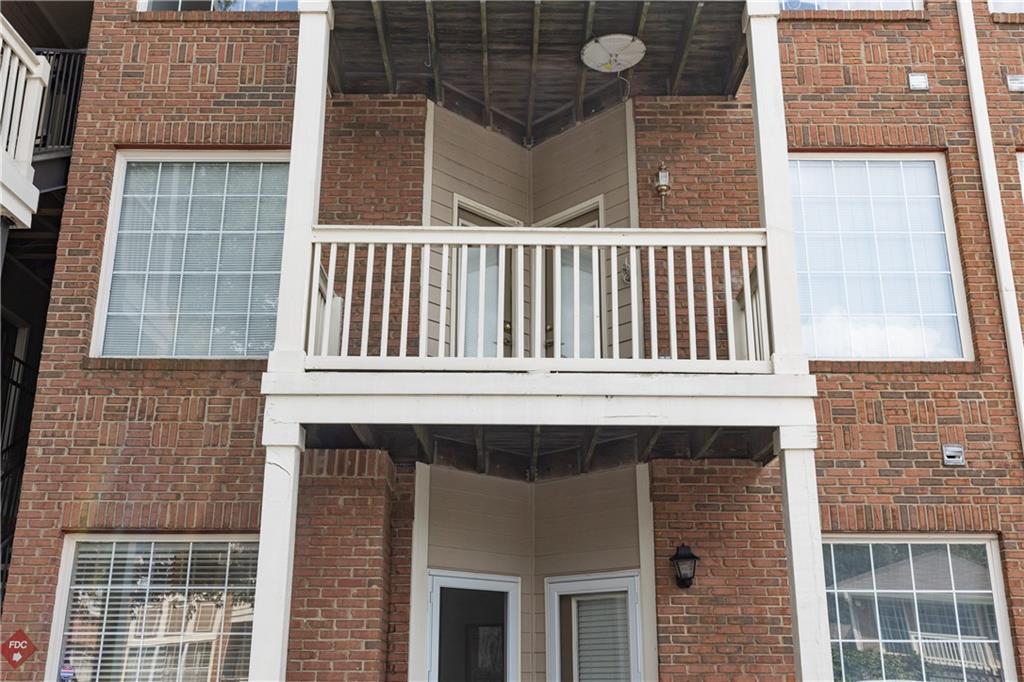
(685, 563)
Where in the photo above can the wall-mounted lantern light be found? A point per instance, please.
(685, 563)
(662, 185)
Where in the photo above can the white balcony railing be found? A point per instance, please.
(516, 299)
(23, 77)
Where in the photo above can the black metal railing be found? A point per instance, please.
(59, 109)
(17, 392)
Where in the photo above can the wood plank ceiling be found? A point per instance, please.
(540, 452)
(514, 66)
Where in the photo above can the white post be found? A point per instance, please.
(808, 606)
(773, 184)
(269, 658)
(316, 19)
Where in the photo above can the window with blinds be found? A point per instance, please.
(594, 635)
(164, 611)
(197, 259)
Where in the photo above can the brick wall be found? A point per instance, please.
(342, 580)
(880, 424)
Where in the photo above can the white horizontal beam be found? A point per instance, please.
(487, 364)
(542, 236)
(372, 384)
(544, 410)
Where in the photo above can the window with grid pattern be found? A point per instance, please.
(912, 611)
(197, 260)
(874, 260)
(222, 5)
(177, 611)
(852, 4)
(1011, 6)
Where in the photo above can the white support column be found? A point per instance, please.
(316, 19)
(269, 658)
(773, 184)
(808, 606)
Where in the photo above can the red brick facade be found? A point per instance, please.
(175, 445)
(881, 425)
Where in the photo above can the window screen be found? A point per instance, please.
(197, 260)
(912, 611)
(873, 260)
(174, 611)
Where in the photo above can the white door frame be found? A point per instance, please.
(619, 581)
(508, 584)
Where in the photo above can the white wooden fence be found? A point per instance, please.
(508, 299)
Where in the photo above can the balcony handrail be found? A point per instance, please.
(547, 236)
(561, 299)
(59, 111)
(23, 75)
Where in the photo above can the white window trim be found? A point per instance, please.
(510, 585)
(952, 244)
(993, 10)
(995, 567)
(460, 202)
(576, 211)
(619, 581)
(67, 560)
(125, 156)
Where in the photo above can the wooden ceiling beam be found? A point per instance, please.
(426, 442)
(590, 437)
(738, 65)
(704, 440)
(366, 436)
(534, 453)
(481, 449)
(534, 51)
(335, 66)
(641, 24)
(647, 440)
(581, 68)
(383, 42)
(484, 56)
(435, 53)
(685, 45)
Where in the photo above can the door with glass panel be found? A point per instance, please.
(593, 632)
(477, 333)
(569, 268)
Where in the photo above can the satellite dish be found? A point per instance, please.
(613, 53)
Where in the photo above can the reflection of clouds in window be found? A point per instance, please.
(160, 610)
(904, 610)
(873, 262)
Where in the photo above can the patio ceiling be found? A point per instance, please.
(514, 66)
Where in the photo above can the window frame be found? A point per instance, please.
(591, 583)
(952, 247)
(510, 585)
(988, 540)
(67, 561)
(123, 158)
(993, 9)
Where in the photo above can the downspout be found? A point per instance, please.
(994, 206)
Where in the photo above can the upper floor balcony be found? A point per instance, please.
(532, 295)
(39, 92)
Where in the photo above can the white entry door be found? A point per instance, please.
(474, 627)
